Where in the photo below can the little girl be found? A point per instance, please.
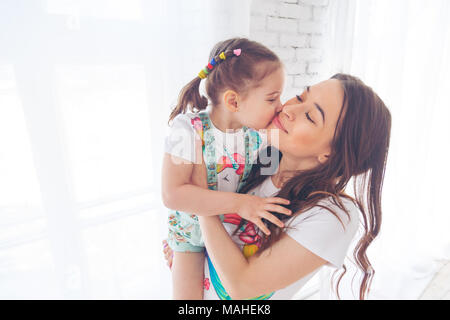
(244, 80)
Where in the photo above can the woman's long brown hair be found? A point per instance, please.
(359, 150)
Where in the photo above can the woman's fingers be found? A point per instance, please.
(169, 262)
(277, 208)
(278, 200)
(168, 253)
(165, 246)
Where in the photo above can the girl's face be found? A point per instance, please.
(307, 122)
(261, 104)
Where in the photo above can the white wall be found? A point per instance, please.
(295, 30)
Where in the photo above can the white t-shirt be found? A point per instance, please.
(317, 229)
(180, 142)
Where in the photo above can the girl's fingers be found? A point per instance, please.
(262, 226)
(277, 208)
(270, 217)
(278, 200)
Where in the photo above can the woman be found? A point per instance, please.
(336, 130)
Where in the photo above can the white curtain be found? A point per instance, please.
(85, 92)
(401, 49)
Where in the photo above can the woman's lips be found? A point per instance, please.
(276, 121)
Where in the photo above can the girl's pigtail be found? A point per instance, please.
(190, 99)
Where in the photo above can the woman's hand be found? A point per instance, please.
(168, 253)
(253, 208)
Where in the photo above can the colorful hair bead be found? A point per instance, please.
(204, 72)
(202, 75)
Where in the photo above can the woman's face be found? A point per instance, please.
(307, 123)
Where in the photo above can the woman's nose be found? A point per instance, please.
(288, 111)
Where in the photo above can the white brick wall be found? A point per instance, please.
(294, 29)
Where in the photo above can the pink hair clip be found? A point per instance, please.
(237, 52)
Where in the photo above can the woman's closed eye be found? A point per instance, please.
(309, 118)
(306, 113)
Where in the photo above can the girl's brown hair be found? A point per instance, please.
(236, 73)
(359, 150)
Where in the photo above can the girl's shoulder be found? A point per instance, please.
(189, 118)
(185, 131)
(191, 122)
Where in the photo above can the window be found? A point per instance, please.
(85, 93)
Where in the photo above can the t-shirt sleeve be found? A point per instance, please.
(319, 231)
(181, 138)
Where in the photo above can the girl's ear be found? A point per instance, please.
(230, 100)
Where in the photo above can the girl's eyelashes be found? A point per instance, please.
(273, 100)
(299, 98)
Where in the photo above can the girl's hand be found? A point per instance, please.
(253, 208)
(168, 253)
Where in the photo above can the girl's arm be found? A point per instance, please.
(179, 193)
(277, 267)
(184, 192)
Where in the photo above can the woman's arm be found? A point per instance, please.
(277, 267)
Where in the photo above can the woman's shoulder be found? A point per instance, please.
(343, 210)
(340, 203)
(327, 228)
